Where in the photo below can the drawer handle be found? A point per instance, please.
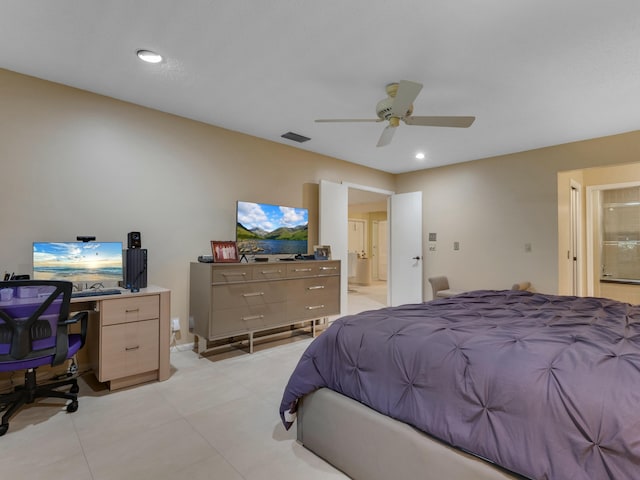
(253, 317)
(314, 307)
(265, 272)
(328, 268)
(128, 349)
(301, 269)
(316, 287)
(232, 274)
(132, 310)
(254, 294)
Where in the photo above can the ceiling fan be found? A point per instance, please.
(399, 106)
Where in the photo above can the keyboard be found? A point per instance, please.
(96, 293)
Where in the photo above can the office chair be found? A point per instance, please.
(34, 320)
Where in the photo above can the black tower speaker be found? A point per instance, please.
(135, 268)
(134, 240)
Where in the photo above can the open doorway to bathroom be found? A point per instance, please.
(367, 250)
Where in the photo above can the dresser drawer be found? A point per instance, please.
(313, 268)
(329, 268)
(240, 320)
(314, 287)
(129, 349)
(299, 309)
(130, 309)
(226, 274)
(269, 272)
(302, 269)
(246, 295)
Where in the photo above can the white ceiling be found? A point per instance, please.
(534, 72)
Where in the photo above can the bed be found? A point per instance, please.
(484, 385)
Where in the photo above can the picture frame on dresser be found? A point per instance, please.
(224, 251)
(322, 252)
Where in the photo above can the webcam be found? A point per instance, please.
(82, 238)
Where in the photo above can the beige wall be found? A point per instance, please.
(75, 163)
(495, 206)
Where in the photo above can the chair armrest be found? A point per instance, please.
(81, 317)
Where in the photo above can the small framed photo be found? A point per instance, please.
(224, 251)
(322, 252)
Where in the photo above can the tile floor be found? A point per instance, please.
(215, 418)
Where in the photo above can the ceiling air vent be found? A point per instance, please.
(295, 137)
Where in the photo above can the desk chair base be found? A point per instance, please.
(25, 394)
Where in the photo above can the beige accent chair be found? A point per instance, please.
(440, 287)
(521, 286)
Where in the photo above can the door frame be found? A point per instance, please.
(333, 213)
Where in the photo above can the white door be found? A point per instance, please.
(405, 239)
(574, 253)
(405, 248)
(333, 222)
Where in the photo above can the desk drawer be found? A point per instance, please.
(131, 309)
(129, 349)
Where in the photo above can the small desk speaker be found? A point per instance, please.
(134, 240)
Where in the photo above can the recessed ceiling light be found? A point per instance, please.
(149, 56)
(420, 156)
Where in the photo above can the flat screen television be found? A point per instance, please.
(264, 229)
(78, 262)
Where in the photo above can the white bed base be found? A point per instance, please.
(367, 445)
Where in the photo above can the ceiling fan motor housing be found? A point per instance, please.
(383, 109)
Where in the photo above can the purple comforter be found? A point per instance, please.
(545, 386)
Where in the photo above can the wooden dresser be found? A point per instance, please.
(229, 299)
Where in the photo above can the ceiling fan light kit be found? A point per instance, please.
(399, 106)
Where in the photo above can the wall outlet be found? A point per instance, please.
(175, 324)
(527, 247)
(456, 245)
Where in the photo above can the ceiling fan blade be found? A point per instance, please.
(387, 135)
(460, 122)
(407, 93)
(327, 120)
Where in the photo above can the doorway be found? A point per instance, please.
(404, 240)
(367, 250)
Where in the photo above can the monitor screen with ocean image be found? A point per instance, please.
(78, 262)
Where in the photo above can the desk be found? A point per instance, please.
(128, 335)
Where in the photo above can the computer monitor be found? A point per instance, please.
(78, 262)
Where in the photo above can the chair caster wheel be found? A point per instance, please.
(3, 429)
(73, 406)
(74, 389)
